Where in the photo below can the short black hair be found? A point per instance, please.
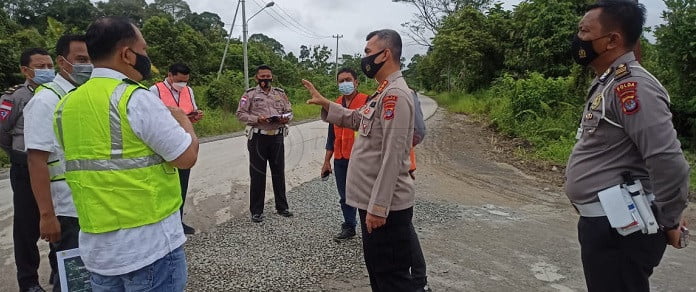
(263, 67)
(105, 35)
(391, 39)
(63, 44)
(179, 68)
(626, 15)
(25, 58)
(347, 70)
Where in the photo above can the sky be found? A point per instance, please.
(312, 22)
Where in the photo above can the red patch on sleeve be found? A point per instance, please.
(627, 94)
(243, 101)
(5, 109)
(389, 107)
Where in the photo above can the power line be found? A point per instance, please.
(294, 19)
(277, 17)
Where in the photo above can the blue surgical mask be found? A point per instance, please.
(346, 88)
(42, 76)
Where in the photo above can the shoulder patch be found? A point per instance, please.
(389, 106)
(5, 109)
(243, 101)
(627, 93)
(622, 71)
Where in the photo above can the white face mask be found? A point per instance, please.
(179, 85)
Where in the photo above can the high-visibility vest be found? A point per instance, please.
(185, 101)
(56, 168)
(413, 160)
(117, 181)
(345, 137)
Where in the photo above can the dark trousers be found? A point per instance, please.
(418, 270)
(184, 175)
(69, 237)
(617, 263)
(341, 171)
(25, 227)
(389, 252)
(264, 149)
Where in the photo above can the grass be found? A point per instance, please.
(482, 107)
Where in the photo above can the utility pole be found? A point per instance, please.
(245, 27)
(224, 55)
(245, 30)
(637, 50)
(337, 37)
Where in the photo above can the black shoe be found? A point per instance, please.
(346, 233)
(188, 229)
(35, 288)
(257, 218)
(285, 213)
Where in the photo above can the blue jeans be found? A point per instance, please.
(341, 171)
(166, 274)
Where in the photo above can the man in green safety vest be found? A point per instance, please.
(122, 148)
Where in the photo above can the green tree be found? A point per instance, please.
(540, 37)
(135, 10)
(676, 44)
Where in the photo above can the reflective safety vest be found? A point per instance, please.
(345, 137)
(56, 168)
(117, 181)
(185, 101)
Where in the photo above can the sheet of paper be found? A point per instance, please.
(74, 277)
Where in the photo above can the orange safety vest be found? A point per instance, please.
(345, 137)
(413, 160)
(167, 97)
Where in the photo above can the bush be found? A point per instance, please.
(224, 93)
(543, 111)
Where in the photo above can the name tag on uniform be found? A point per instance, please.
(578, 134)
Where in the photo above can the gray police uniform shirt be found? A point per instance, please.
(12, 105)
(627, 126)
(378, 179)
(255, 102)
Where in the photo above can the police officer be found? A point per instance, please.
(175, 92)
(58, 218)
(37, 67)
(626, 130)
(378, 182)
(266, 110)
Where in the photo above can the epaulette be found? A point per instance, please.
(279, 89)
(606, 75)
(622, 71)
(12, 89)
(250, 89)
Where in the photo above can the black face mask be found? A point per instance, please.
(265, 83)
(583, 52)
(369, 67)
(142, 65)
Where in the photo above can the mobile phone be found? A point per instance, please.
(684, 238)
(325, 175)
